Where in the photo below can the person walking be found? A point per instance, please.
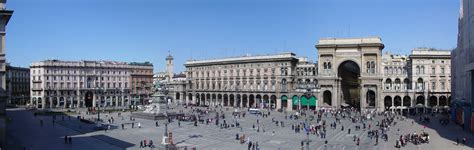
(358, 141)
(139, 125)
(70, 140)
(65, 139)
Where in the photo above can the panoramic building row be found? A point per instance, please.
(350, 72)
(70, 84)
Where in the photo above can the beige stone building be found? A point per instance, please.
(70, 84)
(350, 72)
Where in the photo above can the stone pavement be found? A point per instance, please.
(26, 129)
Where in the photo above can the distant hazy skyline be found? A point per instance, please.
(145, 30)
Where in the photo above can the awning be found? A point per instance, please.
(312, 101)
(284, 98)
(295, 100)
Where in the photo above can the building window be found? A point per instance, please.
(442, 70)
(443, 85)
(433, 85)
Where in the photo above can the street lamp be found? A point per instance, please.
(163, 88)
(101, 91)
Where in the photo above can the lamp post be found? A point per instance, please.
(163, 88)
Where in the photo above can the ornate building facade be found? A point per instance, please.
(71, 84)
(463, 68)
(350, 72)
(141, 81)
(18, 85)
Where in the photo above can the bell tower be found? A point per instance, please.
(169, 67)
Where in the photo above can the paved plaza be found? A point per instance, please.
(26, 131)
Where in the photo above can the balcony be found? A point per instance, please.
(37, 89)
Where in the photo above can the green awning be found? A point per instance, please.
(284, 98)
(304, 101)
(295, 100)
(312, 101)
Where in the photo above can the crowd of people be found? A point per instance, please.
(375, 125)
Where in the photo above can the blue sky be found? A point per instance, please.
(144, 30)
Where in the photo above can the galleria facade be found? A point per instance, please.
(350, 72)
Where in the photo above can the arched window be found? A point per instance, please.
(388, 84)
(420, 84)
(283, 84)
(368, 67)
(325, 65)
(372, 65)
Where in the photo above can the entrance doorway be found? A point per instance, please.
(349, 72)
(88, 99)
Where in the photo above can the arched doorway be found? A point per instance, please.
(407, 101)
(349, 72)
(327, 98)
(420, 100)
(190, 97)
(443, 101)
(266, 101)
(433, 101)
(231, 102)
(178, 96)
(397, 101)
(259, 101)
(198, 100)
(252, 101)
(226, 100)
(244, 100)
(370, 98)
(202, 102)
(39, 103)
(387, 101)
(238, 100)
(89, 98)
(284, 102)
(273, 102)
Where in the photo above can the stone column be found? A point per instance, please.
(289, 105)
(94, 98)
(186, 99)
(123, 101)
(278, 103)
(43, 102)
(241, 99)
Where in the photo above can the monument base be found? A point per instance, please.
(156, 116)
